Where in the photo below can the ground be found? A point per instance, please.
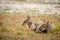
(11, 28)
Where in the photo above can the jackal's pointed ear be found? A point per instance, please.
(28, 17)
(47, 22)
(44, 20)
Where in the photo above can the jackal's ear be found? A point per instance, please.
(44, 20)
(48, 22)
(28, 17)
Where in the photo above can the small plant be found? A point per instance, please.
(19, 33)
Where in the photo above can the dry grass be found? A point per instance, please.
(11, 28)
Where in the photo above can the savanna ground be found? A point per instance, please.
(11, 28)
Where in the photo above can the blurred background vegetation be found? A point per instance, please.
(12, 16)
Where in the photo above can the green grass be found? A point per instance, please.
(56, 27)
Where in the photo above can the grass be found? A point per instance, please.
(18, 34)
(11, 28)
(56, 27)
